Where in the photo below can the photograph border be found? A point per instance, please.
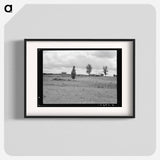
(25, 76)
(40, 79)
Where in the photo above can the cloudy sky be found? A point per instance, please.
(63, 61)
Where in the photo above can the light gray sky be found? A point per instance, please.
(63, 61)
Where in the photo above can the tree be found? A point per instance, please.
(89, 69)
(105, 70)
(73, 73)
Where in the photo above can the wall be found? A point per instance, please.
(81, 136)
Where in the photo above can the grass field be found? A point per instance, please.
(84, 89)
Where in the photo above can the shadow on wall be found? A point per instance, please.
(19, 79)
(14, 79)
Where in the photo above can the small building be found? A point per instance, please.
(63, 73)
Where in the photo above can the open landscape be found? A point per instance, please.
(60, 89)
(80, 76)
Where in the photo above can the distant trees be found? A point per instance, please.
(89, 69)
(105, 70)
(73, 73)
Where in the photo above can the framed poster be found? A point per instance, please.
(80, 78)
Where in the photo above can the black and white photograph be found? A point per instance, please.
(79, 77)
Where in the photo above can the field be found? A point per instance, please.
(84, 89)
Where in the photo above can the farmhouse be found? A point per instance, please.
(64, 73)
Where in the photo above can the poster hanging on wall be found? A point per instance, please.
(79, 78)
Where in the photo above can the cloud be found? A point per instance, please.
(63, 61)
(106, 54)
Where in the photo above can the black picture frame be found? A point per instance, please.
(120, 77)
